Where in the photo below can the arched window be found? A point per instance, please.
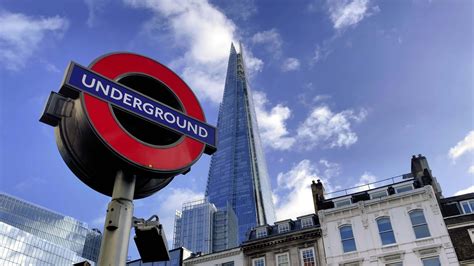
(347, 238)
(385, 230)
(418, 221)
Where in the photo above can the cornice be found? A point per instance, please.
(264, 243)
(214, 256)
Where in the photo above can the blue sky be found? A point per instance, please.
(345, 91)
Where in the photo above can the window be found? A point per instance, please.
(283, 259)
(352, 264)
(403, 188)
(395, 264)
(468, 206)
(261, 232)
(306, 222)
(434, 261)
(470, 231)
(385, 231)
(347, 238)
(378, 194)
(258, 261)
(342, 203)
(418, 222)
(307, 257)
(230, 263)
(284, 227)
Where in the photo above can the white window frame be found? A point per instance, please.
(352, 264)
(254, 261)
(282, 254)
(417, 225)
(469, 204)
(342, 202)
(431, 257)
(345, 239)
(283, 227)
(301, 255)
(470, 231)
(403, 186)
(372, 193)
(381, 232)
(306, 222)
(261, 232)
(394, 263)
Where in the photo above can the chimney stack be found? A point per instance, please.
(318, 194)
(422, 173)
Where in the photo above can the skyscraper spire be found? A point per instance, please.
(238, 172)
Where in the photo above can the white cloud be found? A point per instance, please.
(94, 7)
(271, 39)
(294, 187)
(21, 36)
(465, 191)
(346, 13)
(364, 182)
(471, 169)
(290, 64)
(321, 97)
(251, 62)
(205, 33)
(30, 184)
(272, 123)
(239, 10)
(322, 52)
(328, 128)
(464, 146)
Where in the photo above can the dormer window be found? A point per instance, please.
(261, 232)
(341, 203)
(405, 188)
(378, 194)
(467, 206)
(283, 227)
(306, 222)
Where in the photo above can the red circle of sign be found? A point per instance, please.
(179, 156)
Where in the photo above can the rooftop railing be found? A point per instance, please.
(369, 186)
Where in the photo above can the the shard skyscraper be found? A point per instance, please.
(238, 172)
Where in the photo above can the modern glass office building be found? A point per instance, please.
(193, 226)
(238, 172)
(202, 228)
(30, 234)
(224, 229)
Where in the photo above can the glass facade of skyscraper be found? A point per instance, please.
(193, 226)
(30, 234)
(238, 172)
(201, 227)
(224, 232)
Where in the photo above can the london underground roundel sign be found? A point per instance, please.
(128, 112)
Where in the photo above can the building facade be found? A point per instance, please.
(238, 172)
(224, 230)
(229, 257)
(395, 224)
(458, 212)
(202, 228)
(30, 234)
(285, 243)
(193, 226)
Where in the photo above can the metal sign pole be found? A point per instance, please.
(118, 222)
